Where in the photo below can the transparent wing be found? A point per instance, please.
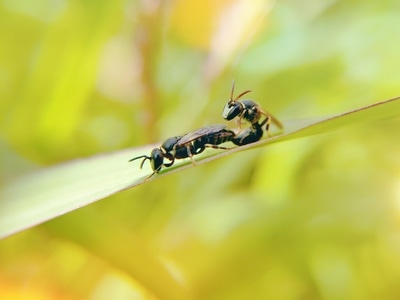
(191, 136)
(273, 119)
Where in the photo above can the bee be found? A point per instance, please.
(248, 110)
(157, 155)
(195, 142)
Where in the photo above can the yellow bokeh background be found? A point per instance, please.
(314, 218)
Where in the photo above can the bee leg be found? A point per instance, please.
(239, 123)
(266, 121)
(190, 154)
(192, 160)
(151, 175)
(165, 165)
(170, 163)
(216, 147)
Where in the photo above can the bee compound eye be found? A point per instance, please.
(232, 111)
(226, 111)
(157, 159)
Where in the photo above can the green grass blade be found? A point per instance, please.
(51, 192)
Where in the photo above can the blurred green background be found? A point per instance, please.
(315, 218)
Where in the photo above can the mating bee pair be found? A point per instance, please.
(195, 142)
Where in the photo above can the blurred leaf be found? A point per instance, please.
(145, 264)
(46, 194)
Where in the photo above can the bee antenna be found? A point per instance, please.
(233, 88)
(241, 95)
(141, 156)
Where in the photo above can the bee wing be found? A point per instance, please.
(273, 119)
(191, 136)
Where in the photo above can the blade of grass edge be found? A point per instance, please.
(51, 192)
